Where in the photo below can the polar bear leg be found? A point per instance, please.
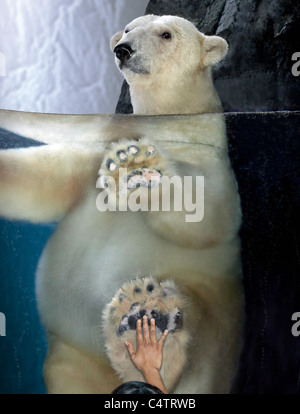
(69, 370)
(41, 184)
(161, 301)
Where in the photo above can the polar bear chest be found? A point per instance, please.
(89, 257)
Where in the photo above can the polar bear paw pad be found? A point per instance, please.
(132, 164)
(147, 297)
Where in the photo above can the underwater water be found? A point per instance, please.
(23, 350)
(265, 154)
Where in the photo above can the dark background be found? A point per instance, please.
(265, 154)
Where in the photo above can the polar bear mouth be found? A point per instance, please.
(138, 70)
(135, 65)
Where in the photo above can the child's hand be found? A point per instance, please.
(148, 356)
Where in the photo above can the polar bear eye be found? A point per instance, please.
(166, 35)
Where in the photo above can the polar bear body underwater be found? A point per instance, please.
(164, 264)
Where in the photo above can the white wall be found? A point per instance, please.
(57, 54)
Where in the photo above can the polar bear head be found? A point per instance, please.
(167, 63)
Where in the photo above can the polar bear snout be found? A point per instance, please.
(123, 52)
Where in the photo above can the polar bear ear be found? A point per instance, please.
(115, 39)
(215, 49)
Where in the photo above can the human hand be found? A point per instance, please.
(148, 356)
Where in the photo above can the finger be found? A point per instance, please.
(152, 331)
(163, 337)
(146, 329)
(130, 349)
(139, 336)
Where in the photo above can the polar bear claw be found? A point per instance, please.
(147, 297)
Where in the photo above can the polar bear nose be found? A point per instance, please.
(123, 52)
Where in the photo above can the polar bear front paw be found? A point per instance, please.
(131, 165)
(161, 301)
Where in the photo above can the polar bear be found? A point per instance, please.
(185, 274)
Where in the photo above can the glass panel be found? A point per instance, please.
(227, 235)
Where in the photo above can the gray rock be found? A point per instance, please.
(262, 35)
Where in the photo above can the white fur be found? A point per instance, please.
(179, 81)
(92, 254)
